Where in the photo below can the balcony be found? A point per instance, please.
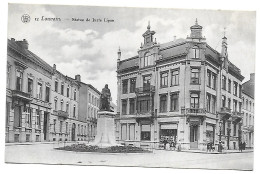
(237, 116)
(195, 111)
(249, 128)
(225, 112)
(21, 95)
(62, 114)
(146, 89)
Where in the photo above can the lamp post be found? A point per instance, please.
(219, 144)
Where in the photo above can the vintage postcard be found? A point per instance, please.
(121, 86)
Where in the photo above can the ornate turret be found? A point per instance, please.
(148, 36)
(118, 57)
(196, 32)
(224, 52)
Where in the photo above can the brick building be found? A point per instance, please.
(182, 91)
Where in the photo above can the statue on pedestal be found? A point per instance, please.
(105, 99)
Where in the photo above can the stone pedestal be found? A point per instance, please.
(105, 130)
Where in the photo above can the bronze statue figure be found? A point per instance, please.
(105, 99)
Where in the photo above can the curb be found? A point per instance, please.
(217, 152)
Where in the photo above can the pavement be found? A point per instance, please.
(40, 153)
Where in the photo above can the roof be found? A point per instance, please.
(28, 54)
(173, 48)
(129, 63)
(248, 88)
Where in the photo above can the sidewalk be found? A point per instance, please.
(216, 152)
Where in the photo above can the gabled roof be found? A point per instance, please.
(173, 48)
(248, 88)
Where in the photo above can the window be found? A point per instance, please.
(143, 104)
(145, 132)
(19, 80)
(246, 104)
(67, 107)
(229, 103)
(223, 101)
(67, 127)
(8, 105)
(124, 106)
(125, 86)
(146, 83)
(56, 86)
(235, 88)
(132, 106)
(208, 98)
(208, 78)
(175, 77)
(54, 125)
(30, 86)
(235, 129)
(39, 90)
(195, 52)
(240, 107)
(229, 85)
(28, 117)
(75, 94)
(194, 100)
(55, 104)
(61, 105)
(249, 121)
(60, 126)
(195, 75)
(224, 127)
(234, 105)
(38, 119)
(224, 82)
(131, 131)
(214, 81)
(240, 91)
(147, 60)
(132, 85)
(163, 103)
(8, 76)
(74, 111)
(18, 116)
(123, 131)
(68, 91)
(213, 104)
(174, 102)
(164, 79)
(62, 89)
(47, 94)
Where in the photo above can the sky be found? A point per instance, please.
(90, 48)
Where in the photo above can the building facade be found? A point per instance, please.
(42, 104)
(89, 107)
(248, 111)
(182, 91)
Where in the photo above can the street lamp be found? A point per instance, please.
(219, 144)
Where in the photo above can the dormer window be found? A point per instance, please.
(147, 60)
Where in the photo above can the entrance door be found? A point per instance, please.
(73, 132)
(194, 136)
(45, 126)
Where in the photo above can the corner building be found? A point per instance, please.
(180, 91)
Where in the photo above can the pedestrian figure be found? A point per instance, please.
(240, 146)
(244, 146)
(164, 143)
(172, 145)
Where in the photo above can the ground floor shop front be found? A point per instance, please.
(186, 132)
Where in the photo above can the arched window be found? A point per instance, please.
(74, 111)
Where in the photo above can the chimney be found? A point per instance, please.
(77, 77)
(24, 44)
(252, 77)
(118, 54)
(54, 68)
(13, 39)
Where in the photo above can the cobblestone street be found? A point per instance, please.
(45, 153)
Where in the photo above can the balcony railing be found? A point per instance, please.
(61, 114)
(21, 94)
(195, 111)
(237, 114)
(146, 89)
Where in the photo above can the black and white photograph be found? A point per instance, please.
(130, 87)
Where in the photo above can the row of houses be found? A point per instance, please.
(183, 91)
(43, 104)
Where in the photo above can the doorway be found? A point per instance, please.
(194, 136)
(73, 138)
(45, 126)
